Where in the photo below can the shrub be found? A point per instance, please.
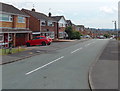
(72, 34)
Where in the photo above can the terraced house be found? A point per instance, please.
(14, 26)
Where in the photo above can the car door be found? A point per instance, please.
(42, 39)
(34, 41)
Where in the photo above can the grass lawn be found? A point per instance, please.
(14, 50)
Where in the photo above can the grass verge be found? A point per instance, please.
(13, 50)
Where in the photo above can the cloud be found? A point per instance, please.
(109, 10)
(60, 11)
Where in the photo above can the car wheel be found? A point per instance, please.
(43, 44)
(48, 43)
(28, 44)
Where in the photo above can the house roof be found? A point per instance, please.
(69, 21)
(38, 15)
(57, 18)
(6, 8)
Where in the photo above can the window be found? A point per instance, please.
(60, 25)
(10, 37)
(4, 17)
(43, 23)
(21, 19)
(1, 38)
(50, 24)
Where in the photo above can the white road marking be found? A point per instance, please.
(93, 42)
(43, 66)
(76, 50)
(87, 44)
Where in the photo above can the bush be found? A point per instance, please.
(72, 34)
(76, 35)
(107, 35)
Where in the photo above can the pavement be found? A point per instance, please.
(37, 50)
(104, 72)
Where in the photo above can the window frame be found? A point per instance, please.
(43, 23)
(2, 35)
(21, 20)
(50, 24)
(9, 17)
(10, 37)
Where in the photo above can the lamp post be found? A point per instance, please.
(115, 24)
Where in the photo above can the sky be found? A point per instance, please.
(90, 13)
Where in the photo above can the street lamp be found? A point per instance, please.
(115, 24)
(115, 27)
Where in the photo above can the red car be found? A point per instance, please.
(39, 40)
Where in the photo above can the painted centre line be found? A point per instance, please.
(43, 66)
(87, 44)
(76, 50)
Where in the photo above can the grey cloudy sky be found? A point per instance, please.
(91, 13)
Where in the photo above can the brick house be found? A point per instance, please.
(61, 25)
(69, 23)
(41, 24)
(14, 26)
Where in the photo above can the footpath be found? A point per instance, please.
(104, 73)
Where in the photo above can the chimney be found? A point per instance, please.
(49, 14)
(33, 9)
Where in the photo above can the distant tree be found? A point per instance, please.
(107, 35)
(76, 35)
(69, 30)
(72, 34)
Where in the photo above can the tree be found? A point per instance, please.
(106, 35)
(69, 30)
(76, 35)
(72, 34)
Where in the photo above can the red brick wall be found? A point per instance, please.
(34, 24)
(61, 29)
(51, 29)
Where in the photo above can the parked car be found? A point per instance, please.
(39, 40)
(86, 36)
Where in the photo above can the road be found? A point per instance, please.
(66, 68)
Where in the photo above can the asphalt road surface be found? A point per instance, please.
(66, 68)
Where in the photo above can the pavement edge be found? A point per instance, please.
(91, 84)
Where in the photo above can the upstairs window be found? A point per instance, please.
(21, 19)
(50, 24)
(61, 25)
(43, 23)
(5, 17)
